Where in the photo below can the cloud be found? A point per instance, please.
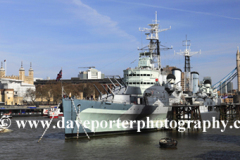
(103, 24)
(181, 10)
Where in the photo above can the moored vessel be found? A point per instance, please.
(168, 143)
(145, 93)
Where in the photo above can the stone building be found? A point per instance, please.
(26, 79)
(13, 88)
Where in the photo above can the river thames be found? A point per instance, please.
(22, 144)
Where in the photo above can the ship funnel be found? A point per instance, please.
(195, 79)
(178, 75)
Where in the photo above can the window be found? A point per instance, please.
(144, 75)
(137, 82)
(148, 74)
(138, 74)
(134, 82)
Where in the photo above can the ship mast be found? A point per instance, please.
(187, 68)
(154, 44)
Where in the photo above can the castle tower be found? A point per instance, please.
(2, 71)
(30, 74)
(238, 70)
(22, 73)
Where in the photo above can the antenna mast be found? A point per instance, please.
(152, 35)
(187, 67)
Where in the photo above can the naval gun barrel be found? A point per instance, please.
(110, 90)
(98, 91)
(112, 83)
(122, 81)
(105, 90)
(118, 83)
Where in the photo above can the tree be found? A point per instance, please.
(31, 94)
(46, 91)
(74, 89)
(88, 90)
(57, 92)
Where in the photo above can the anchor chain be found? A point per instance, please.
(79, 120)
(48, 125)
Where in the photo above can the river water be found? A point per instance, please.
(22, 144)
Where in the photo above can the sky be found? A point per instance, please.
(69, 34)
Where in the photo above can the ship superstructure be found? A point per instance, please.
(148, 71)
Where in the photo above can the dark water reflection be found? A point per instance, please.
(22, 144)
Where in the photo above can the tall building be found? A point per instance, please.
(230, 87)
(223, 88)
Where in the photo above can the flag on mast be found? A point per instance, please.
(59, 76)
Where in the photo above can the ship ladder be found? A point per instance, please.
(79, 120)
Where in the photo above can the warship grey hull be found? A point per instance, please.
(106, 115)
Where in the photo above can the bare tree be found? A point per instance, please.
(57, 92)
(31, 94)
(47, 91)
(88, 90)
(74, 89)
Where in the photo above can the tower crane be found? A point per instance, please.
(88, 67)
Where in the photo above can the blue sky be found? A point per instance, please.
(104, 33)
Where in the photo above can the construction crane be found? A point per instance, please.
(87, 67)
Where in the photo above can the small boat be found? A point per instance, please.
(168, 143)
(53, 112)
(45, 112)
(6, 115)
(3, 127)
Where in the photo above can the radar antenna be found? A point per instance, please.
(152, 35)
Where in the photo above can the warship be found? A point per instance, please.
(144, 93)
